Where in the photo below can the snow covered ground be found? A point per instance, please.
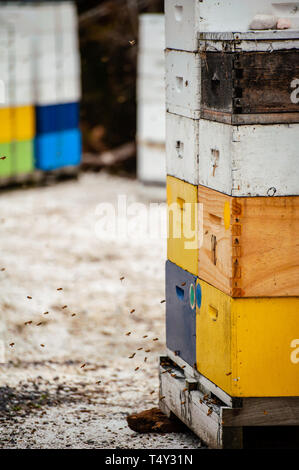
(49, 240)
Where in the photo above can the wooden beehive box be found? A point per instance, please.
(249, 246)
(181, 313)
(250, 78)
(244, 346)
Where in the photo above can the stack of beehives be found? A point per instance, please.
(151, 164)
(40, 78)
(232, 275)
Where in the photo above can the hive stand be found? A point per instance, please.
(219, 420)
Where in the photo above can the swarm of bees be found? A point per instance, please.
(29, 322)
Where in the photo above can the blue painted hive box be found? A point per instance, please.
(181, 313)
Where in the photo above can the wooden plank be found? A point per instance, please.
(199, 412)
(245, 345)
(186, 20)
(281, 411)
(190, 408)
(249, 83)
(265, 83)
(204, 384)
(249, 245)
(216, 252)
(255, 36)
(218, 425)
(183, 83)
(182, 147)
(251, 160)
(217, 82)
(243, 119)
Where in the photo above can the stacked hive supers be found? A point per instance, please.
(17, 116)
(57, 74)
(232, 128)
(40, 80)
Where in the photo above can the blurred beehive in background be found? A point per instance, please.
(57, 85)
(40, 73)
(151, 100)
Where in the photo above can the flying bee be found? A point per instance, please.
(139, 349)
(156, 339)
(83, 365)
(133, 310)
(28, 297)
(132, 42)
(145, 336)
(3, 158)
(42, 345)
(122, 278)
(128, 334)
(147, 350)
(45, 313)
(39, 324)
(183, 284)
(59, 288)
(136, 369)
(12, 345)
(210, 411)
(162, 301)
(131, 357)
(145, 359)
(65, 306)
(98, 382)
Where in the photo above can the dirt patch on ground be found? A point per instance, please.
(154, 420)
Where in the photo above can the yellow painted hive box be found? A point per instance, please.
(182, 242)
(248, 347)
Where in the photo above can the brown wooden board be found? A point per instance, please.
(250, 245)
(218, 425)
(255, 85)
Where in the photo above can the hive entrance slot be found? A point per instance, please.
(179, 148)
(178, 12)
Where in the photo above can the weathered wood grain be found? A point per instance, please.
(249, 160)
(278, 411)
(219, 425)
(247, 84)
